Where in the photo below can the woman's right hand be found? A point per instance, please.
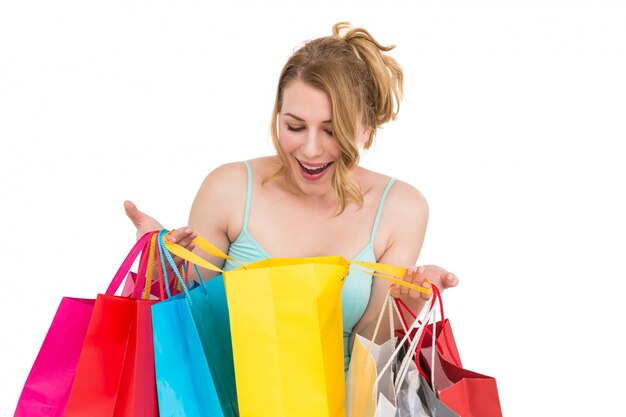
(145, 223)
(141, 220)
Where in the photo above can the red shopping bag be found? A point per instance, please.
(467, 393)
(444, 338)
(48, 385)
(115, 371)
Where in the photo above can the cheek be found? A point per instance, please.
(287, 140)
(335, 149)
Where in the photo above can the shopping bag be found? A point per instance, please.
(414, 397)
(193, 352)
(115, 371)
(48, 385)
(417, 399)
(369, 395)
(369, 381)
(466, 392)
(286, 331)
(429, 401)
(366, 395)
(444, 339)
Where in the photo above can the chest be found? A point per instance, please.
(284, 228)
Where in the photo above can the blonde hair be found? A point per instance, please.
(363, 84)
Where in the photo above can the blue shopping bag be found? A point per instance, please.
(195, 374)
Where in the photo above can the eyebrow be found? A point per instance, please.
(302, 120)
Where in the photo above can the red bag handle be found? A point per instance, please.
(437, 298)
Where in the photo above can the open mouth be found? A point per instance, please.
(311, 170)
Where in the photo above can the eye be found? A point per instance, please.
(294, 129)
(329, 132)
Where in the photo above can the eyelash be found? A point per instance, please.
(300, 129)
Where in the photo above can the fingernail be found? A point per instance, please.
(426, 285)
(420, 270)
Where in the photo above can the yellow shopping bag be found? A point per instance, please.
(286, 330)
(285, 319)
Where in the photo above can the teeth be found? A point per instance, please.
(314, 168)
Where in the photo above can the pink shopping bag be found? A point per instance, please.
(48, 385)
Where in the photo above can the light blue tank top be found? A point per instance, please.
(358, 286)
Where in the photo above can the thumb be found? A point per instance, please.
(451, 280)
(132, 212)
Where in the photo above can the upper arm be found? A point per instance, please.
(221, 196)
(403, 224)
(405, 218)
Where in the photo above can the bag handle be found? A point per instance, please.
(404, 365)
(164, 254)
(439, 299)
(124, 268)
(144, 273)
(416, 325)
(146, 270)
(390, 273)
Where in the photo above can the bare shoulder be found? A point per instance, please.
(265, 166)
(225, 177)
(407, 211)
(221, 196)
(403, 224)
(406, 200)
(403, 199)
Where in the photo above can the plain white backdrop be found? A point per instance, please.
(511, 127)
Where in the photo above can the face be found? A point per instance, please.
(306, 137)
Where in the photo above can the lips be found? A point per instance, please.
(313, 171)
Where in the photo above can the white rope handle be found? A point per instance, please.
(404, 366)
(416, 323)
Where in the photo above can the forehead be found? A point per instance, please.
(306, 102)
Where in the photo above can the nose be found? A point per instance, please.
(313, 146)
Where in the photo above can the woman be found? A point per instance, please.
(312, 198)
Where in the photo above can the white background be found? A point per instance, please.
(511, 127)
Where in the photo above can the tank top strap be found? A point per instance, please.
(379, 214)
(248, 195)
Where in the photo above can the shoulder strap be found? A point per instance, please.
(379, 214)
(248, 196)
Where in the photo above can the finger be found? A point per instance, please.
(424, 296)
(132, 212)
(179, 236)
(186, 240)
(450, 280)
(408, 277)
(415, 294)
(395, 290)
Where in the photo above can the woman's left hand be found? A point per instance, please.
(417, 274)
